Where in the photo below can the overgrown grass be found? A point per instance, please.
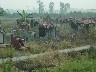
(81, 61)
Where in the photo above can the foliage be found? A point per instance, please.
(93, 31)
(49, 60)
(80, 61)
(41, 7)
(51, 7)
(6, 67)
(2, 12)
(24, 15)
(8, 52)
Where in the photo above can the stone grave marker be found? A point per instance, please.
(31, 36)
(8, 38)
(53, 32)
(1, 38)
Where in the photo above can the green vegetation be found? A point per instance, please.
(81, 61)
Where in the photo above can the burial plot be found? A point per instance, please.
(1, 38)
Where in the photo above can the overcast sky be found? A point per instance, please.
(29, 4)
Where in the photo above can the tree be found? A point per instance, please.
(66, 7)
(61, 8)
(41, 7)
(24, 15)
(51, 7)
(2, 12)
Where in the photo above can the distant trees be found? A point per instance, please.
(61, 8)
(51, 7)
(64, 8)
(2, 11)
(41, 7)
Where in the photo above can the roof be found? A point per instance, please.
(88, 21)
(84, 21)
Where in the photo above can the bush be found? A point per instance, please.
(7, 52)
(49, 60)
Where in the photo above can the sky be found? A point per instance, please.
(30, 4)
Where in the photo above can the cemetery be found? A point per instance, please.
(47, 41)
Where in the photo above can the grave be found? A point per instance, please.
(8, 38)
(53, 32)
(17, 42)
(32, 23)
(1, 37)
(31, 36)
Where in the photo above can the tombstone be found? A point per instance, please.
(14, 32)
(32, 23)
(32, 36)
(35, 23)
(42, 31)
(1, 29)
(53, 32)
(15, 41)
(74, 26)
(8, 38)
(1, 38)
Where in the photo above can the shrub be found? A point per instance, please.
(7, 52)
(48, 60)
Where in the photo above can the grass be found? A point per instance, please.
(81, 61)
(85, 62)
(36, 48)
(83, 65)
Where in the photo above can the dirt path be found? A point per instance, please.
(35, 55)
